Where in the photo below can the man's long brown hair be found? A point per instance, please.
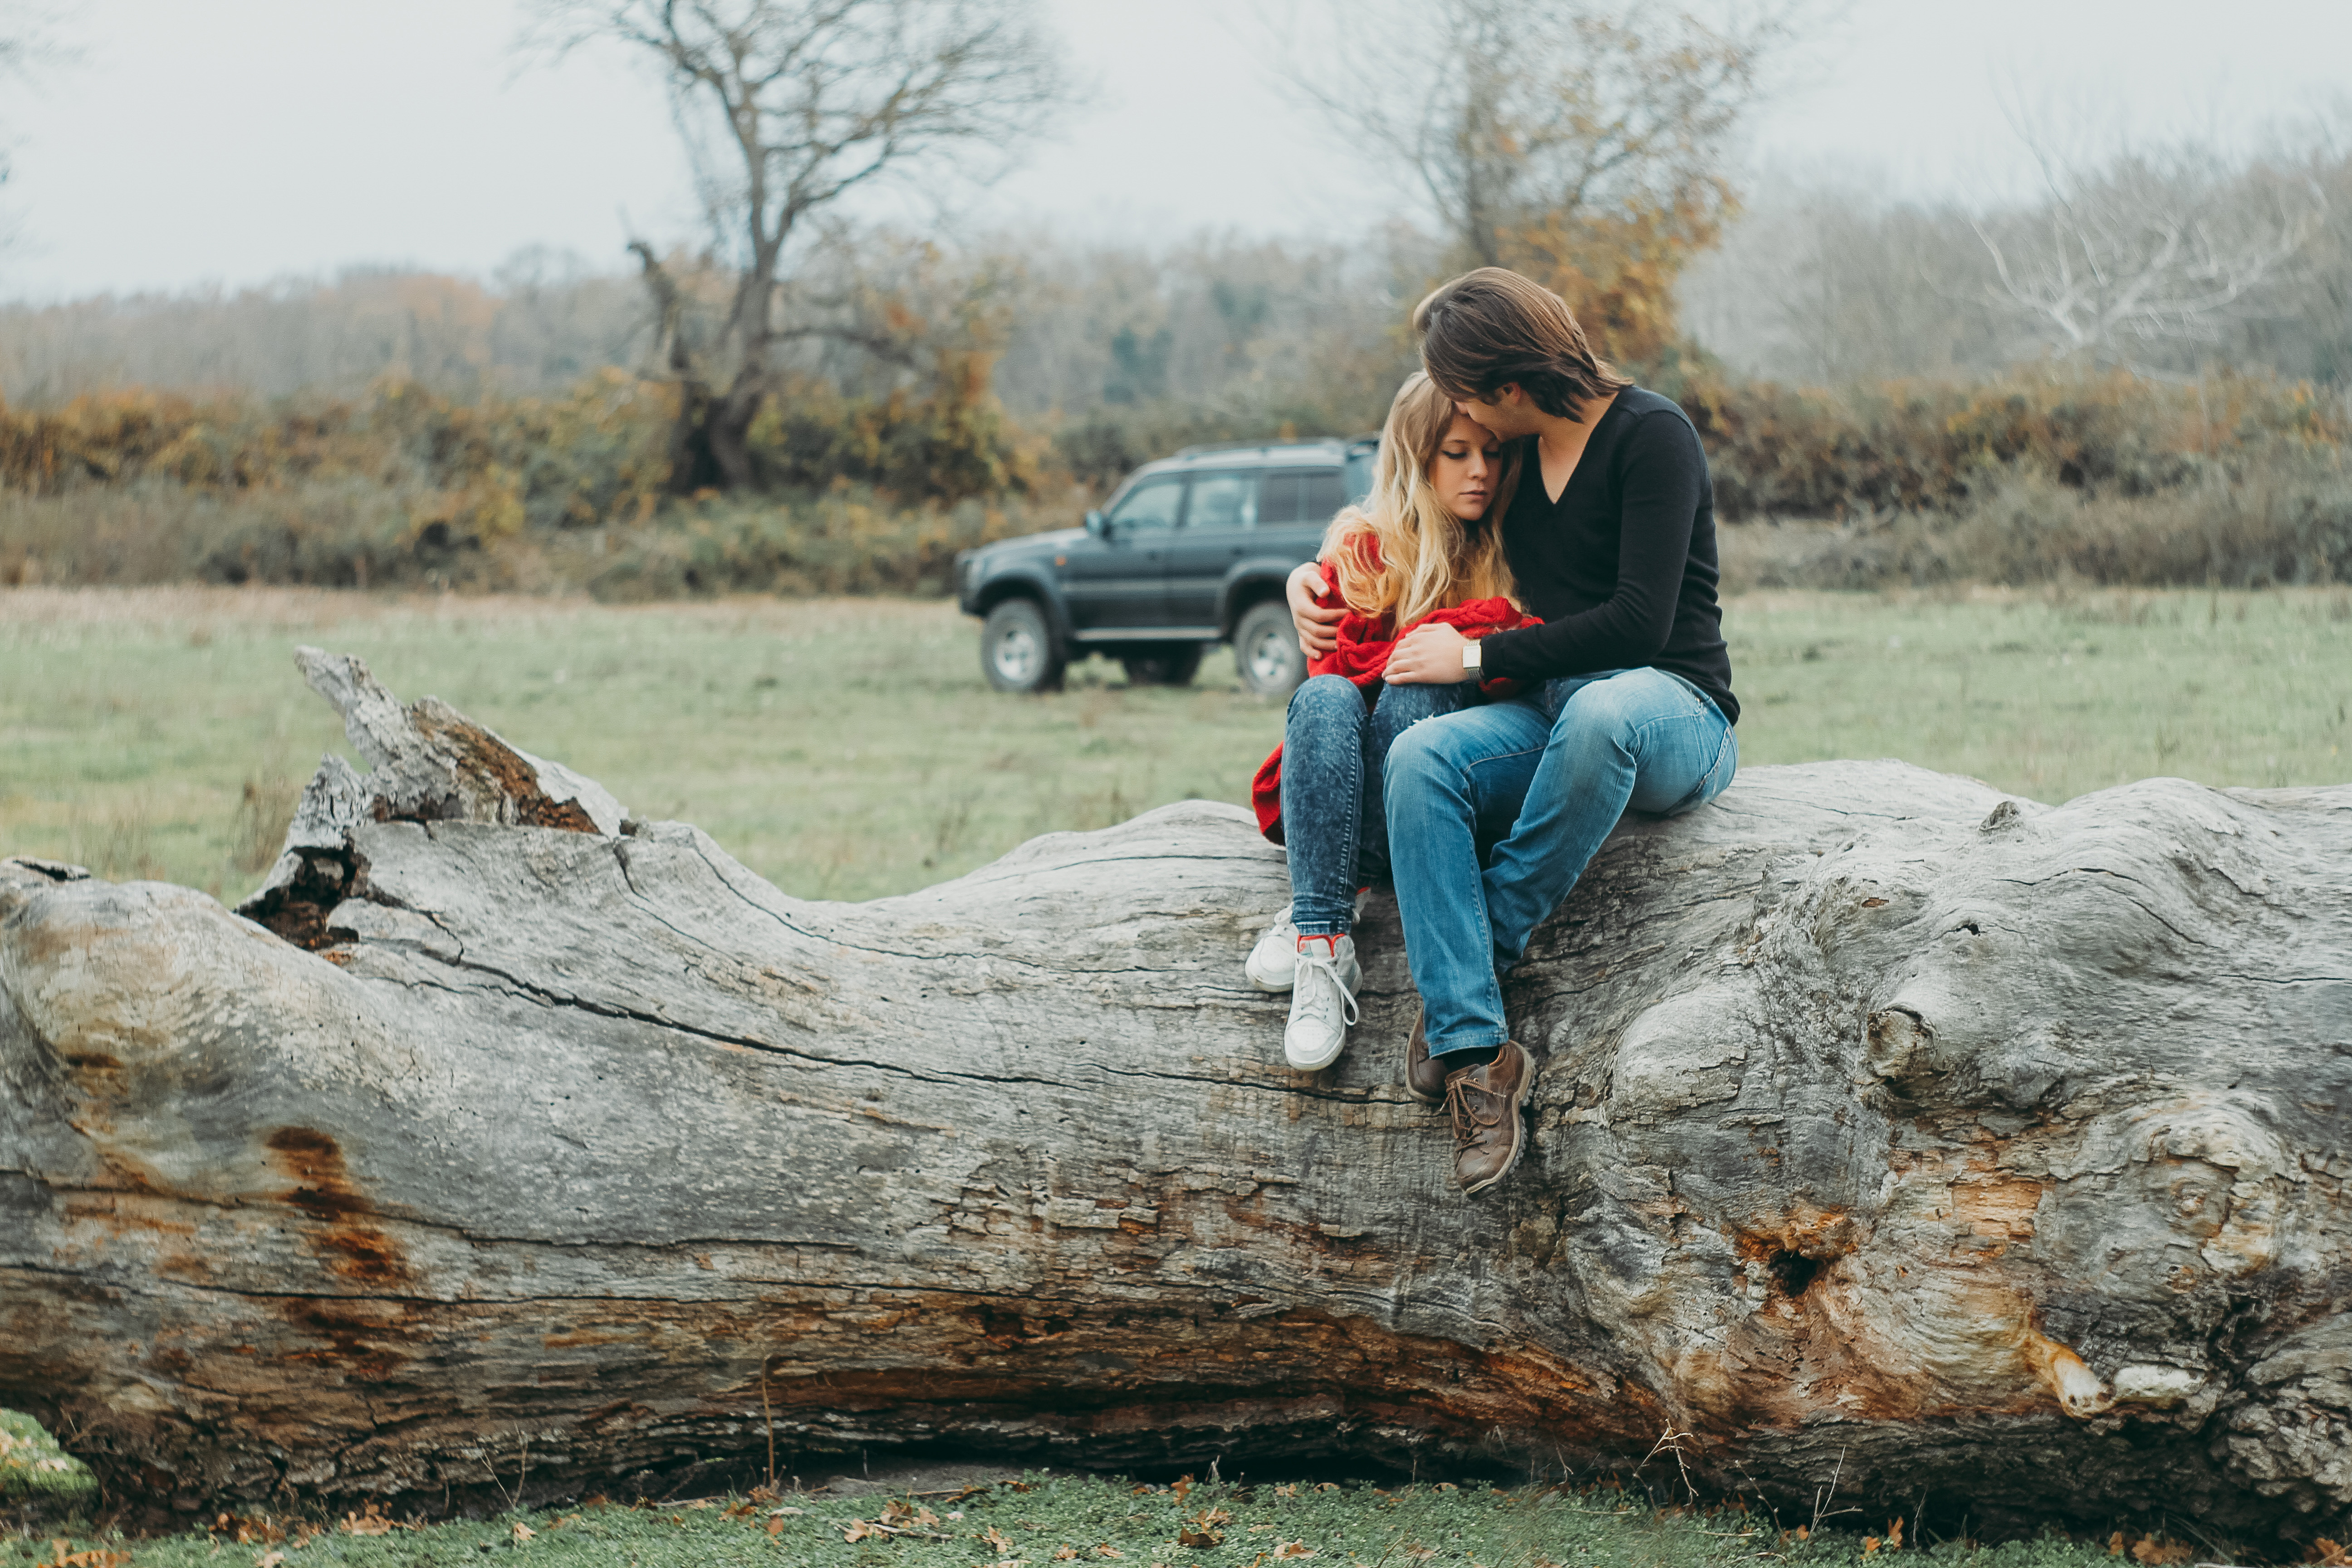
(1492, 328)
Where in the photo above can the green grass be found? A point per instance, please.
(35, 1470)
(848, 748)
(1088, 1521)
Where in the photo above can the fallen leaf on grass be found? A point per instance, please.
(1108, 1550)
(96, 1557)
(1216, 1516)
(269, 1560)
(369, 1522)
(1293, 1549)
(998, 1539)
(1286, 1491)
(2156, 1553)
(858, 1529)
(522, 1533)
(1186, 1535)
(1065, 1554)
(775, 1526)
(2326, 1553)
(1326, 1486)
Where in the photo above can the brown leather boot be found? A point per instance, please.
(1489, 1134)
(1423, 1078)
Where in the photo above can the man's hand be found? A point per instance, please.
(1319, 629)
(1428, 655)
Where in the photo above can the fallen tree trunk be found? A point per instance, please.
(1888, 1127)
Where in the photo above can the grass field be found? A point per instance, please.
(1089, 1521)
(848, 748)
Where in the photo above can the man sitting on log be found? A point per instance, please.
(1627, 685)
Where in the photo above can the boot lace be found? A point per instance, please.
(1462, 1098)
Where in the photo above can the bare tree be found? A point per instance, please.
(2147, 251)
(788, 106)
(1561, 137)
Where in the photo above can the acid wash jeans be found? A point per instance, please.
(1543, 777)
(1333, 747)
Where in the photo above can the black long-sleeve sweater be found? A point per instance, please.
(1622, 567)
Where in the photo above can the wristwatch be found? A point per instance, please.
(1470, 656)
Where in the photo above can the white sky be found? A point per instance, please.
(232, 142)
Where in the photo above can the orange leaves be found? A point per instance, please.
(263, 1531)
(2326, 1553)
(1892, 1540)
(369, 1522)
(1291, 1549)
(96, 1557)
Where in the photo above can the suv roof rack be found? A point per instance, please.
(1204, 448)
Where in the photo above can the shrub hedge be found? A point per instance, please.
(2234, 480)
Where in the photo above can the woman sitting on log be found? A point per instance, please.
(1422, 549)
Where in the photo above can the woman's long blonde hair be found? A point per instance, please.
(1429, 559)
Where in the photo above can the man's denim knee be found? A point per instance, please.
(1418, 759)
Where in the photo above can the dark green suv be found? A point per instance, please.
(1190, 550)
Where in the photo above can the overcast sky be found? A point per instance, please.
(234, 142)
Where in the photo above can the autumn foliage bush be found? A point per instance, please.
(2237, 481)
(407, 486)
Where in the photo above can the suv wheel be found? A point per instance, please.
(1265, 650)
(1163, 664)
(1018, 651)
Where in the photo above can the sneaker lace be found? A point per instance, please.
(1323, 958)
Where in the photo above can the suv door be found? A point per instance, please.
(1220, 526)
(1119, 578)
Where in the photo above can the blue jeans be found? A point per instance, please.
(1333, 746)
(1547, 774)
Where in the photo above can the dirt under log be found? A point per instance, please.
(1887, 1125)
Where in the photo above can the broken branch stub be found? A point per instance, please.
(1886, 1126)
(427, 762)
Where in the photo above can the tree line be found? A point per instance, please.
(2146, 318)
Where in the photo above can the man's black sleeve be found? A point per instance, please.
(1665, 471)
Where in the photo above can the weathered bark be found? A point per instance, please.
(1981, 1149)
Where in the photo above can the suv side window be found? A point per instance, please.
(1321, 495)
(1153, 503)
(1301, 496)
(1226, 501)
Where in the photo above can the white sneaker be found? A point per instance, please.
(1322, 1000)
(1274, 962)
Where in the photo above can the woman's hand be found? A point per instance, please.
(1429, 654)
(1319, 629)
